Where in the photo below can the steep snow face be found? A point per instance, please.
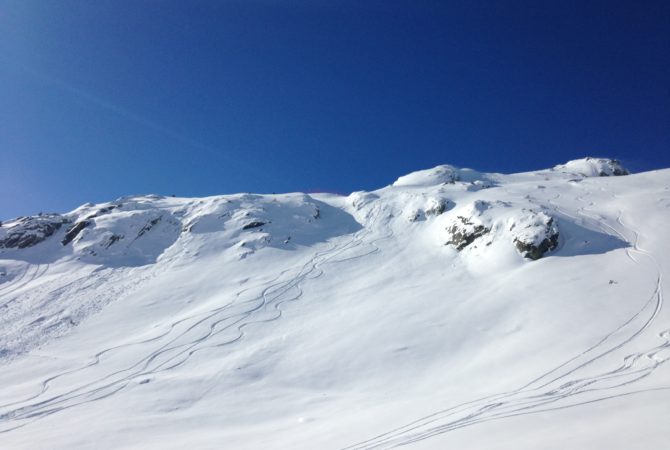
(452, 309)
(135, 231)
(593, 167)
(247, 223)
(148, 232)
(131, 233)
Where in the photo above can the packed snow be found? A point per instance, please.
(450, 309)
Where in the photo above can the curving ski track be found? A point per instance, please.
(201, 332)
(29, 275)
(563, 382)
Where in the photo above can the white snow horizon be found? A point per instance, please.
(450, 309)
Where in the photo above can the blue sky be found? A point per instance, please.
(107, 98)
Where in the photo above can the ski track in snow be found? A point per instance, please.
(36, 271)
(58, 306)
(609, 367)
(563, 382)
(206, 326)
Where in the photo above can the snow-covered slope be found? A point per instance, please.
(451, 309)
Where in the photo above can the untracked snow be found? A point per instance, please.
(451, 309)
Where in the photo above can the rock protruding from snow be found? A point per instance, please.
(593, 167)
(422, 207)
(131, 236)
(26, 232)
(254, 224)
(444, 174)
(464, 231)
(437, 206)
(535, 234)
(74, 231)
(505, 225)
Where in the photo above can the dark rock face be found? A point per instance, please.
(465, 233)
(74, 231)
(438, 207)
(617, 171)
(103, 211)
(612, 167)
(254, 224)
(152, 223)
(29, 231)
(535, 251)
(113, 240)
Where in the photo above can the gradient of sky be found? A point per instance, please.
(100, 99)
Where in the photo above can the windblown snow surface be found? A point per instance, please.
(451, 309)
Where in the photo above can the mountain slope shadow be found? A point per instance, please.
(577, 240)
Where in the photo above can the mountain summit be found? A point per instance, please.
(450, 309)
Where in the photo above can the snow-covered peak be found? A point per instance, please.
(417, 308)
(137, 230)
(593, 167)
(440, 175)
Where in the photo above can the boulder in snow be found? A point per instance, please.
(464, 231)
(437, 206)
(535, 234)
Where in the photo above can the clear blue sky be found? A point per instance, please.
(100, 99)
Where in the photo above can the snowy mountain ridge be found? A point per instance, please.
(427, 310)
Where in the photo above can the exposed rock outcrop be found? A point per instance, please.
(437, 206)
(152, 223)
(464, 231)
(74, 231)
(593, 167)
(26, 232)
(535, 235)
(254, 224)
